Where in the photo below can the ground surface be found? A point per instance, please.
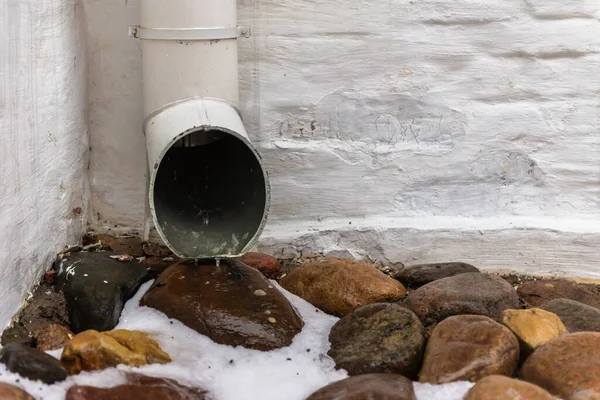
(228, 373)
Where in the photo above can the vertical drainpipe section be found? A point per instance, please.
(208, 192)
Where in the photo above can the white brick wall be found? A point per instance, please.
(403, 117)
(43, 141)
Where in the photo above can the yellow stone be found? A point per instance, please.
(92, 350)
(533, 327)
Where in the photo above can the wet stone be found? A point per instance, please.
(539, 292)
(567, 367)
(367, 387)
(10, 392)
(576, 316)
(220, 302)
(379, 337)
(32, 364)
(469, 348)
(265, 263)
(419, 275)
(339, 286)
(96, 288)
(138, 387)
(468, 293)
(502, 388)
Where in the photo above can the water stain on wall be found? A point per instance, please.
(396, 120)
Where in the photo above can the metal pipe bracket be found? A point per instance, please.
(189, 34)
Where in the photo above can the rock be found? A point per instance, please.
(157, 265)
(52, 337)
(469, 293)
(568, 367)
(576, 316)
(131, 245)
(10, 392)
(503, 388)
(96, 288)
(469, 347)
(418, 275)
(17, 334)
(138, 387)
(339, 286)
(156, 250)
(367, 387)
(49, 277)
(220, 302)
(265, 263)
(380, 337)
(533, 327)
(539, 292)
(92, 350)
(32, 364)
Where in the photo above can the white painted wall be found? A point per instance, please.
(43, 140)
(400, 130)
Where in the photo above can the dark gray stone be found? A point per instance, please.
(380, 337)
(576, 316)
(96, 288)
(32, 364)
(418, 275)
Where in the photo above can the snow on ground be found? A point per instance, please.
(228, 373)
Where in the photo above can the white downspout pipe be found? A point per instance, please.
(209, 194)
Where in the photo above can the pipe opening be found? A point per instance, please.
(209, 195)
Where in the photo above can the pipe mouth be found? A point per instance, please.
(209, 194)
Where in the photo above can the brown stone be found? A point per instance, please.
(503, 388)
(576, 316)
(52, 337)
(422, 274)
(10, 392)
(49, 277)
(367, 387)
(469, 347)
(265, 263)
(536, 293)
(131, 245)
(339, 286)
(138, 387)
(468, 293)
(92, 350)
(568, 367)
(533, 327)
(233, 304)
(380, 337)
